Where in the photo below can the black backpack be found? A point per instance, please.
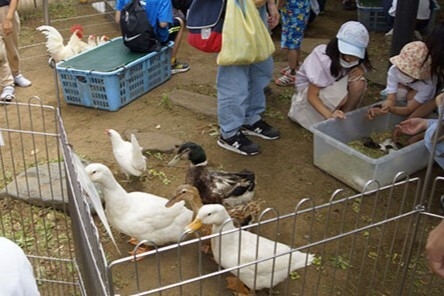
(137, 33)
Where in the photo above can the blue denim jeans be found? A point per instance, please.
(240, 93)
(428, 141)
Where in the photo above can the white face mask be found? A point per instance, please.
(346, 64)
(404, 79)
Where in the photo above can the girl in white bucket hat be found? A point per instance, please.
(330, 81)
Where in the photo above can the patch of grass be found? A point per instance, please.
(340, 262)
(356, 205)
(40, 232)
(161, 175)
(156, 155)
(273, 114)
(372, 255)
(317, 261)
(213, 130)
(165, 102)
(5, 179)
(294, 275)
(62, 9)
(286, 95)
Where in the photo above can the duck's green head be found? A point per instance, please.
(191, 151)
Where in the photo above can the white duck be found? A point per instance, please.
(140, 215)
(226, 249)
(128, 155)
(16, 273)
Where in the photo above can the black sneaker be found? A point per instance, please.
(261, 129)
(179, 68)
(239, 144)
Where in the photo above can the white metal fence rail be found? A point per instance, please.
(32, 208)
(367, 244)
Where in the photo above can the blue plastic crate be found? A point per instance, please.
(103, 84)
(371, 14)
(372, 17)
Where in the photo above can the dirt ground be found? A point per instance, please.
(284, 168)
(285, 171)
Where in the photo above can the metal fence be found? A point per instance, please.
(34, 194)
(366, 244)
(96, 17)
(370, 243)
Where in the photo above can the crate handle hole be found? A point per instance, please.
(81, 79)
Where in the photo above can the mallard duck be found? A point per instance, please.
(227, 247)
(128, 155)
(140, 215)
(220, 187)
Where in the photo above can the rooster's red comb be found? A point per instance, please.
(75, 28)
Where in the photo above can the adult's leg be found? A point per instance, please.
(176, 34)
(11, 44)
(259, 77)
(233, 97)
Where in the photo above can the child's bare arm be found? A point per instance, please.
(315, 101)
(412, 105)
(424, 110)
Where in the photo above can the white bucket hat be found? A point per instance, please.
(353, 39)
(413, 60)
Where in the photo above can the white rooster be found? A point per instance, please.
(91, 41)
(55, 44)
(102, 39)
(128, 155)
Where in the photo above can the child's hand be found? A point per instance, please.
(380, 109)
(376, 110)
(338, 114)
(412, 126)
(435, 249)
(385, 107)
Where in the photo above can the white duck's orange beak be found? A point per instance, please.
(193, 226)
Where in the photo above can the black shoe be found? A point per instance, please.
(179, 68)
(261, 129)
(239, 144)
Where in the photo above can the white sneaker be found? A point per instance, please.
(389, 33)
(21, 81)
(7, 93)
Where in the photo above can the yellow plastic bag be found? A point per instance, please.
(245, 38)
